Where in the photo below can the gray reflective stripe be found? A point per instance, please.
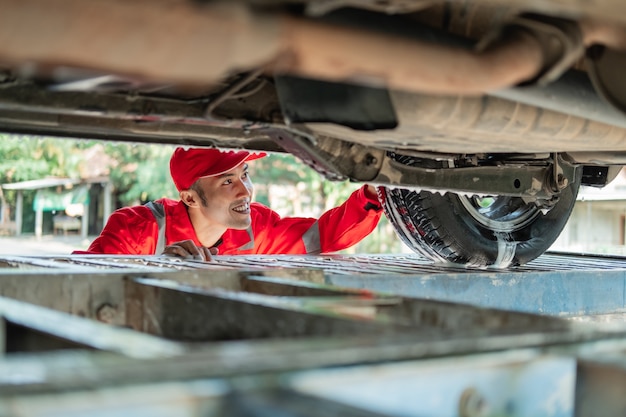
(159, 214)
(311, 239)
(250, 244)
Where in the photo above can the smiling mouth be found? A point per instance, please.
(242, 208)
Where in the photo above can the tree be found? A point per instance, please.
(140, 172)
(26, 158)
(29, 157)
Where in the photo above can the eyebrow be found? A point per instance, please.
(230, 174)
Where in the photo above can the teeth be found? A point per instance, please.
(242, 209)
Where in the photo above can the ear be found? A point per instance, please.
(189, 197)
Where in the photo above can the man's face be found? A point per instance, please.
(225, 199)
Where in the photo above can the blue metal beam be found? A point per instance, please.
(551, 292)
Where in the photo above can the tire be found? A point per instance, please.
(494, 232)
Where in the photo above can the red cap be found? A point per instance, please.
(189, 165)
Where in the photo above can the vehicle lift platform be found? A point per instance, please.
(336, 335)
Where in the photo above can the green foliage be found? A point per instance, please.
(25, 158)
(286, 170)
(140, 172)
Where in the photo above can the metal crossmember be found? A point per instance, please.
(368, 335)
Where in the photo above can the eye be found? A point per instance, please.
(245, 175)
(227, 182)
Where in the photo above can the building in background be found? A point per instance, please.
(598, 222)
(58, 205)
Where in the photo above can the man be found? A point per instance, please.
(215, 214)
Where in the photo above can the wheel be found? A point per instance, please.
(494, 231)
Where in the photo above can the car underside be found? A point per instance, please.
(477, 120)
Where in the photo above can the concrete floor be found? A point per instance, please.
(46, 245)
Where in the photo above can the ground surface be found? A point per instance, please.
(46, 245)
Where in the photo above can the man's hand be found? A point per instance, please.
(370, 191)
(187, 249)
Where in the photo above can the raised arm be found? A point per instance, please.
(337, 229)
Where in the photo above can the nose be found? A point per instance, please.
(244, 189)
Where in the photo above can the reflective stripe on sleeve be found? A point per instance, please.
(158, 210)
(311, 240)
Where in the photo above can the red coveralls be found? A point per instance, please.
(134, 230)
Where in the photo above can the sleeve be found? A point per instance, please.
(348, 224)
(129, 231)
(337, 229)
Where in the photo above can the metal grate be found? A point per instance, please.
(379, 264)
(366, 335)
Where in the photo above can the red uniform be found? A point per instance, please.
(135, 231)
